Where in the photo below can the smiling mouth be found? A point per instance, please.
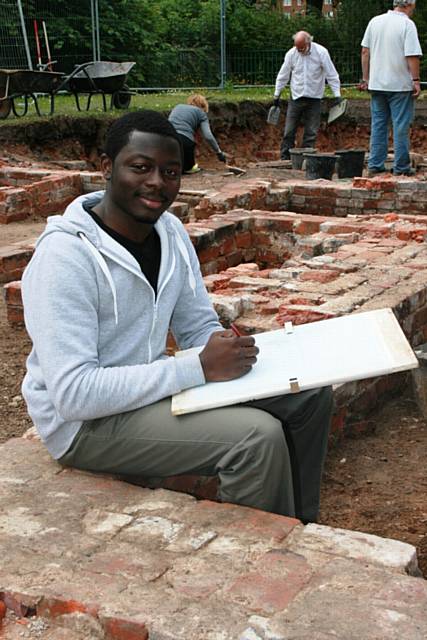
(150, 202)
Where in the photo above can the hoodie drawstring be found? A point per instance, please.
(105, 270)
(184, 252)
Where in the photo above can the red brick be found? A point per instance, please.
(124, 629)
(280, 578)
(244, 240)
(319, 276)
(208, 254)
(403, 234)
(305, 227)
(12, 293)
(227, 246)
(54, 607)
(265, 525)
(338, 421)
(20, 603)
(15, 315)
(234, 258)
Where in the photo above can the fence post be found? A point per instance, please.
(223, 45)
(24, 34)
(94, 15)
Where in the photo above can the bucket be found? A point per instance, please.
(319, 165)
(350, 162)
(297, 155)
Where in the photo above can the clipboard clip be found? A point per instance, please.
(294, 385)
(288, 327)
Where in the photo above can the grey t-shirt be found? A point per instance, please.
(187, 118)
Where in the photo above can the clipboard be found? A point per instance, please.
(306, 356)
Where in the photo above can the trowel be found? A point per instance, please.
(236, 170)
(337, 111)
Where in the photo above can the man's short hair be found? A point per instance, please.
(147, 121)
(403, 3)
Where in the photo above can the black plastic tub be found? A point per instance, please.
(319, 165)
(350, 162)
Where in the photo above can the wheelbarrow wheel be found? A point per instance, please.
(121, 99)
(5, 107)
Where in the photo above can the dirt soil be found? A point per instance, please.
(375, 483)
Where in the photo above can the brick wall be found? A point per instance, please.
(26, 192)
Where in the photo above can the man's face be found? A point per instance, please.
(411, 8)
(144, 178)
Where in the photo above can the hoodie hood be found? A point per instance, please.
(77, 222)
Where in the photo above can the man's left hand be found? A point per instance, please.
(417, 88)
(336, 101)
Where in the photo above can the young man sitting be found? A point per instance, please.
(108, 279)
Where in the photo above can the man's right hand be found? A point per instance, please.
(227, 356)
(276, 102)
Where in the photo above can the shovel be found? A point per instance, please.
(337, 111)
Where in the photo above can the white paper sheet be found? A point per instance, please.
(317, 354)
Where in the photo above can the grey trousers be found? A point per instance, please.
(267, 454)
(307, 111)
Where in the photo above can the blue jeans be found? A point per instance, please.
(397, 106)
(307, 111)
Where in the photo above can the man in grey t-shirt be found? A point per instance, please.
(391, 71)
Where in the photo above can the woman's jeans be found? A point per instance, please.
(397, 107)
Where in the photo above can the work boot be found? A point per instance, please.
(374, 172)
(408, 172)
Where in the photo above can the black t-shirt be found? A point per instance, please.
(147, 253)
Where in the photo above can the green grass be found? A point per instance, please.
(164, 101)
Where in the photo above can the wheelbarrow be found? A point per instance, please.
(104, 78)
(90, 78)
(24, 84)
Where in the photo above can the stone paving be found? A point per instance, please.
(86, 556)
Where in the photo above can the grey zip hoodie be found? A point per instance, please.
(98, 331)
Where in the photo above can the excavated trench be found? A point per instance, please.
(273, 246)
(240, 128)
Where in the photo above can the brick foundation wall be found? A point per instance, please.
(26, 192)
(363, 196)
(263, 268)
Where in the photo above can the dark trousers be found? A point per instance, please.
(307, 112)
(188, 147)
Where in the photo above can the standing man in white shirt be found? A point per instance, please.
(391, 55)
(307, 65)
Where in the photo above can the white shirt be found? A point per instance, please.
(390, 38)
(307, 73)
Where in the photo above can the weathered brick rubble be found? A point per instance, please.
(90, 557)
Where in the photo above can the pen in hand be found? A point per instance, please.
(235, 330)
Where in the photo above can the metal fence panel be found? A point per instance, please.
(261, 66)
(69, 29)
(12, 47)
(69, 38)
